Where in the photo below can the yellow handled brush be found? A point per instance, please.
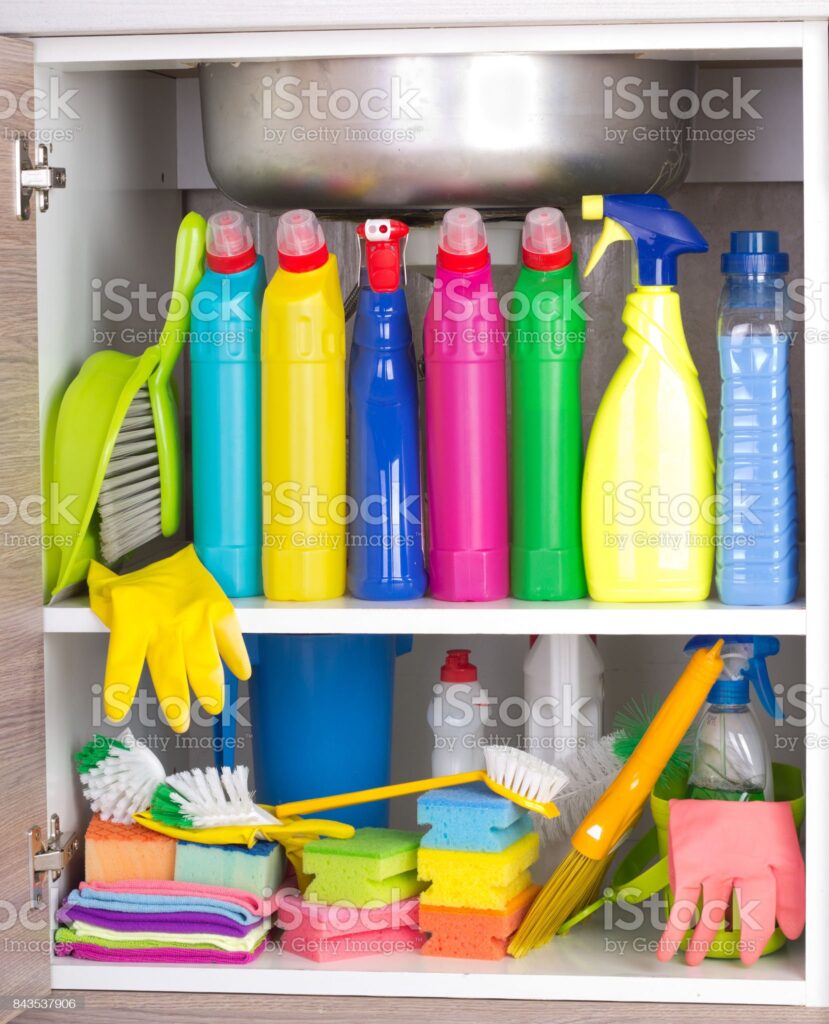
(574, 882)
(526, 780)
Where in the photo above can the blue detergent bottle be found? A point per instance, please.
(757, 542)
(226, 403)
(385, 542)
(731, 759)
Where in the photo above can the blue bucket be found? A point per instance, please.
(321, 719)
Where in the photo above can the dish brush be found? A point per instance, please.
(119, 776)
(208, 798)
(524, 779)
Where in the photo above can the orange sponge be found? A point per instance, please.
(473, 934)
(125, 853)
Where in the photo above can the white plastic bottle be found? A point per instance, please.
(456, 716)
(564, 689)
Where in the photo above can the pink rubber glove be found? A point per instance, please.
(715, 846)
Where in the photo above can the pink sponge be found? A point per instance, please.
(383, 941)
(325, 932)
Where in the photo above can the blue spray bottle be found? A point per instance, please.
(226, 402)
(385, 544)
(731, 759)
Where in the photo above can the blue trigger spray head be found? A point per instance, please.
(744, 660)
(659, 233)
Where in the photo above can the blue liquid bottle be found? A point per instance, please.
(757, 545)
(385, 544)
(226, 403)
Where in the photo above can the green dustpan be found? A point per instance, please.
(93, 410)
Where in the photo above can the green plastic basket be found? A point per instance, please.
(644, 870)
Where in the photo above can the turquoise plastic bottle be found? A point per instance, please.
(226, 402)
(546, 347)
(757, 546)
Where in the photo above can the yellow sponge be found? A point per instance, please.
(484, 881)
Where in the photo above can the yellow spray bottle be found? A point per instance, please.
(303, 418)
(648, 508)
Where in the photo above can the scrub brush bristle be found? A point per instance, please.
(119, 776)
(205, 798)
(523, 774)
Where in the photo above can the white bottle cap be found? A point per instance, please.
(545, 231)
(228, 234)
(462, 232)
(299, 233)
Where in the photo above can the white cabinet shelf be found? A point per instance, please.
(586, 964)
(427, 616)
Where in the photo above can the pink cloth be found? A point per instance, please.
(716, 846)
(255, 904)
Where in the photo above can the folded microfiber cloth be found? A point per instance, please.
(184, 922)
(245, 900)
(67, 943)
(232, 943)
(140, 903)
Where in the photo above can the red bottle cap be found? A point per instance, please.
(545, 241)
(382, 238)
(300, 242)
(458, 668)
(229, 243)
(462, 246)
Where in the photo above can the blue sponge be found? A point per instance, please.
(470, 818)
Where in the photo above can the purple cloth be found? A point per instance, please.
(183, 922)
(160, 955)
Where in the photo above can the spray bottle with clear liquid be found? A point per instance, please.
(731, 759)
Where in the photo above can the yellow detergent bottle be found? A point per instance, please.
(303, 418)
(648, 508)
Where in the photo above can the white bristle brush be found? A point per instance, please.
(511, 773)
(207, 798)
(118, 776)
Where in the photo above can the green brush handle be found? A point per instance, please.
(189, 268)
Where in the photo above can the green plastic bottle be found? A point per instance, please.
(546, 346)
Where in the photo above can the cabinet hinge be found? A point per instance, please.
(39, 178)
(46, 862)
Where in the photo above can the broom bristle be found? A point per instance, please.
(568, 891)
(129, 502)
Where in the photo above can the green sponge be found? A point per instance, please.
(376, 865)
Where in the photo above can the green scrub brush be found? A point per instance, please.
(119, 776)
(207, 798)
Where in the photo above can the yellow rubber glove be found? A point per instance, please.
(174, 614)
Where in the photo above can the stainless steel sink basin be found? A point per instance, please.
(405, 134)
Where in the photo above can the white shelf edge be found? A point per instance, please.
(427, 616)
(777, 980)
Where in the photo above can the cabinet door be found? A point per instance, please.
(25, 932)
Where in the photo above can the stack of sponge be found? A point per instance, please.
(360, 901)
(477, 856)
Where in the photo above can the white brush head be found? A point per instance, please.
(123, 783)
(129, 502)
(591, 767)
(213, 800)
(523, 773)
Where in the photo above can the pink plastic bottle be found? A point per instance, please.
(466, 419)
